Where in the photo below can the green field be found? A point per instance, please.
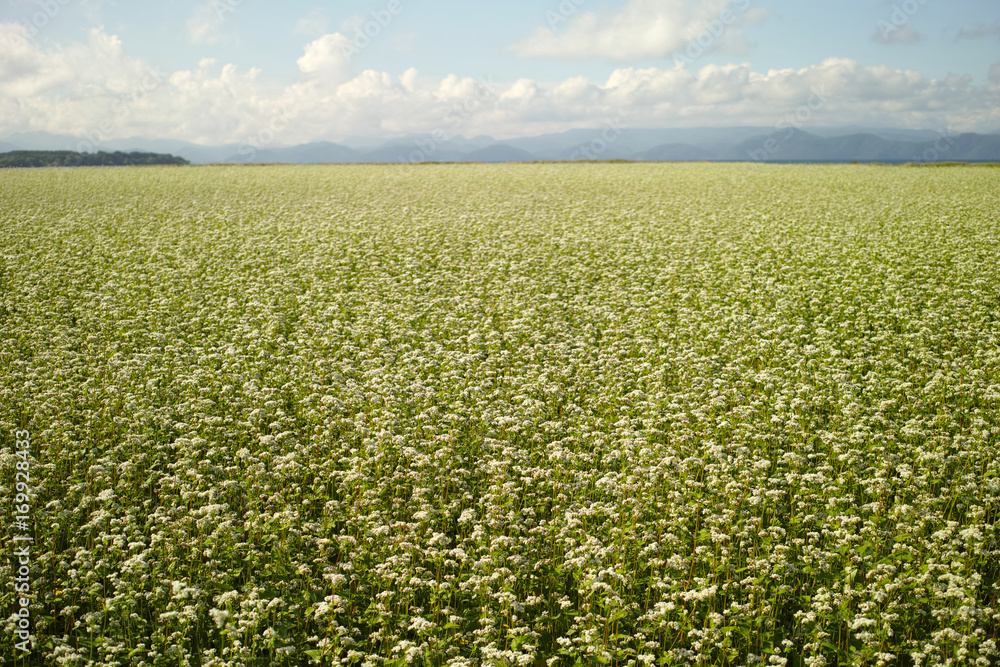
(502, 415)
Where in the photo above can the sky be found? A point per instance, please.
(236, 71)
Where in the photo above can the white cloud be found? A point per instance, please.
(642, 29)
(28, 71)
(409, 79)
(981, 31)
(328, 58)
(207, 108)
(97, 89)
(887, 33)
(207, 20)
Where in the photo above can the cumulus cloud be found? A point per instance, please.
(97, 90)
(887, 33)
(95, 69)
(995, 73)
(642, 29)
(328, 58)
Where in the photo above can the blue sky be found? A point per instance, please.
(226, 68)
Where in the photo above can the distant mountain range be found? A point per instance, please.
(742, 144)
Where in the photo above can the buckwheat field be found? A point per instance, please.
(525, 415)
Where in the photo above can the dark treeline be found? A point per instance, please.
(74, 159)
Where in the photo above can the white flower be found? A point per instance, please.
(220, 616)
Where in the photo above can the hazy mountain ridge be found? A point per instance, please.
(499, 153)
(798, 146)
(677, 153)
(851, 144)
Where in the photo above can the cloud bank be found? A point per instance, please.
(96, 90)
